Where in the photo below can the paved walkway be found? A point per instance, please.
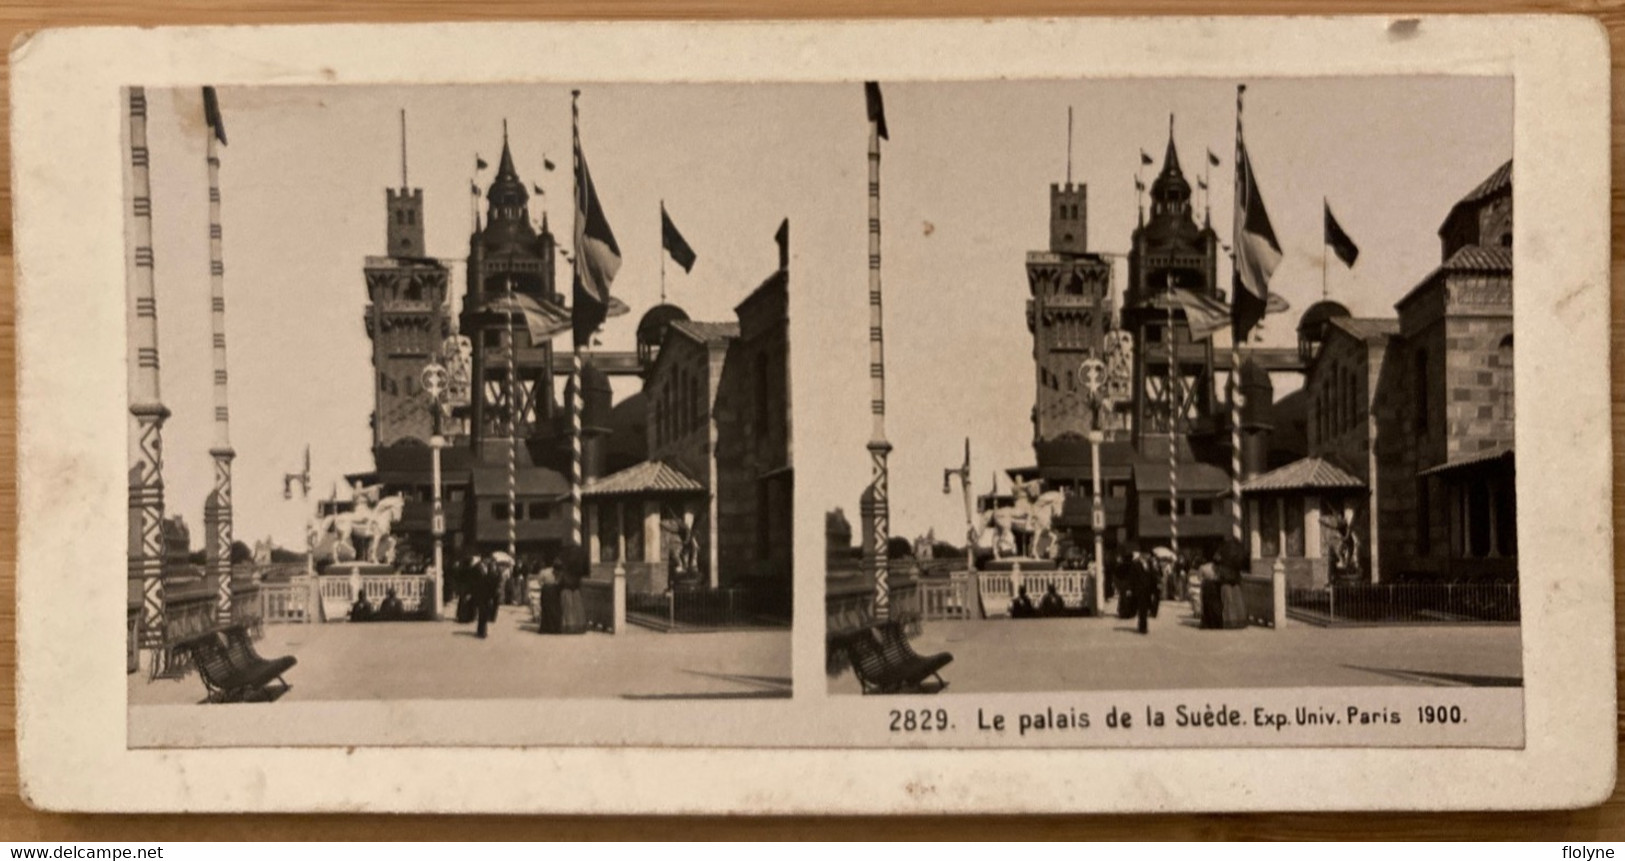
(1083, 654)
(443, 660)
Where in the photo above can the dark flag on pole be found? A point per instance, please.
(473, 188)
(1145, 158)
(598, 257)
(479, 163)
(211, 115)
(1341, 244)
(1257, 250)
(538, 189)
(674, 243)
(548, 163)
(1138, 185)
(1212, 159)
(877, 110)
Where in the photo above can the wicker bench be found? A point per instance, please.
(884, 662)
(232, 671)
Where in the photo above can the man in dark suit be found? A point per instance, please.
(487, 585)
(1146, 575)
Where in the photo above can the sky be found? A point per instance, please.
(965, 179)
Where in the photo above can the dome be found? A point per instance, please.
(1313, 319)
(652, 328)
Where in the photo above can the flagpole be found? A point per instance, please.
(1324, 292)
(662, 252)
(218, 514)
(878, 447)
(575, 342)
(1235, 337)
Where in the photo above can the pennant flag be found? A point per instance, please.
(674, 243)
(598, 257)
(1341, 244)
(1201, 183)
(548, 163)
(479, 163)
(1138, 185)
(1212, 159)
(1145, 158)
(211, 115)
(1276, 304)
(877, 110)
(538, 189)
(1257, 251)
(473, 188)
(1204, 314)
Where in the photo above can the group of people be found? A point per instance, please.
(1212, 585)
(388, 610)
(482, 583)
(1051, 604)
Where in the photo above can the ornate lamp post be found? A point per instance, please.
(1093, 373)
(434, 386)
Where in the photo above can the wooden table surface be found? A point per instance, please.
(17, 822)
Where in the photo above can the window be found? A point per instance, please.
(492, 338)
(1201, 507)
(1478, 519)
(1420, 384)
(609, 533)
(634, 534)
(1153, 334)
(1294, 526)
(1269, 527)
(540, 511)
(1503, 366)
(1424, 538)
(499, 511)
(762, 393)
(1163, 507)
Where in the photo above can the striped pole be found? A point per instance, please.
(513, 430)
(1173, 428)
(879, 448)
(145, 570)
(221, 527)
(1235, 344)
(574, 389)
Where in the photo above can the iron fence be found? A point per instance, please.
(698, 609)
(1409, 603)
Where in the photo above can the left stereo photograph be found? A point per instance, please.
(424, 408)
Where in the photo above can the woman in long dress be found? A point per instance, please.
(571, 567)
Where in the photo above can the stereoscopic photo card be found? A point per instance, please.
(1021, 415)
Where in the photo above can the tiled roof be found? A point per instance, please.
(1368, 328)
(1469, 460)
(1310, 473)
(1479, 258)
(706, 333)
(650, 476)
(1499, 180)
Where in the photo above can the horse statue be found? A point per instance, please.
(364, 532)
(1026, 528)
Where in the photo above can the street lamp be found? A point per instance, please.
(434, 385)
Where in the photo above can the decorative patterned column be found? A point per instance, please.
(878, 447)
(146, 548)
(217, 514)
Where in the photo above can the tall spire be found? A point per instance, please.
(403, 149)
(1170, 159)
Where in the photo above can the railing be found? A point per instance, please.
(695, 609)
(999, 588)
(185, 616)
(1258, 594)
(848, 609)
(598, 601)
(286, 602)
(337, 595)
(946, 599)
(1408, 603)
